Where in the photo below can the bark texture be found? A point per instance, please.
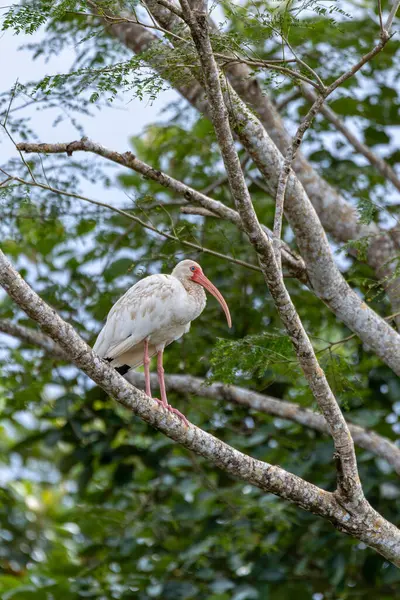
(349, 486)
(326, 280)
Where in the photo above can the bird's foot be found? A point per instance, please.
(175, 411)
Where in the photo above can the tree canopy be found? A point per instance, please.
(96, 503)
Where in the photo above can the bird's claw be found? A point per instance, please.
(175, 411)
(178, 414)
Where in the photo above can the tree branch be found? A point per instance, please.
(185, 384)
(337, 215)
(384, 169)
(349, 486)
(188, 385)
(306, 124)
(366, 525)
(137, 220)
(294, 264)
(325, 278)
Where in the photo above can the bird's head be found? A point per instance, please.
(189, 270)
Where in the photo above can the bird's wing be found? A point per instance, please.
(145, 308)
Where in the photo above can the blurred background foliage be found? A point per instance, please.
(93, 502)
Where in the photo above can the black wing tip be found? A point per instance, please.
(123, 369)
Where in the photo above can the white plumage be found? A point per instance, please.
(157, 308)
(152, 314)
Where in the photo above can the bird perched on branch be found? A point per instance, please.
(153, 313)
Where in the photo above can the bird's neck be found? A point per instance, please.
(194, 289)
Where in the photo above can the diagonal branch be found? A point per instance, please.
(327, 281)
(124, 213)
(185, 384)
(382, 166)
(337, 215)
(306, 124)
(294, 264)
(366, 524)
(188, 385)
(349, 486)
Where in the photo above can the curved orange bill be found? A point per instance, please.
(206, 283)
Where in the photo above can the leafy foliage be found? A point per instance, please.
(94, 503)
(251, 356)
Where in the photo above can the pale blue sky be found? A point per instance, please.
(111, 127)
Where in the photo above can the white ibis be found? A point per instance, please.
(153, 313)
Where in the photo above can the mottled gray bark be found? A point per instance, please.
(366, 524)
(326, 280)
(186, 384)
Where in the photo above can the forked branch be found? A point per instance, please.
(349, 486)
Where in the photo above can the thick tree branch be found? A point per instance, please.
(366, 524)
(349, 486)
(188, 385)
(185, 384)
(326, 280)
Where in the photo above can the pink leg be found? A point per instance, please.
(164, 401)
(160, 372)
(146, 363)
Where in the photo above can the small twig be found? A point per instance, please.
(14, 89)
(306, 123)
(3, 183)
(4, 125)
(380, 15)
(302, 63)
(353, 335)
(295, 264)
(228, 60)
(286, 168)
(139, 221)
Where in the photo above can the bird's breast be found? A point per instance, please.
(187, 307)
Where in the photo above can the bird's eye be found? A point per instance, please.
(192, 268)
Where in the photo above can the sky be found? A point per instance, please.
(112, 128)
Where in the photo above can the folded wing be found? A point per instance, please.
(145, 310)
